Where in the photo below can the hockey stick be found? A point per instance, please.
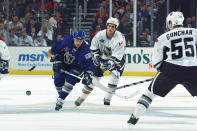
(30, 69)
(94, 80)
(101, 86)
(135, 83)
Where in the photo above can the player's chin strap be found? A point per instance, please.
(101, 86)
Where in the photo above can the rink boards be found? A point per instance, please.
(24, 58)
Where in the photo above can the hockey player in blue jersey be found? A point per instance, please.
(73, 55)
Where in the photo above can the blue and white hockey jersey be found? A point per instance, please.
(78, 58)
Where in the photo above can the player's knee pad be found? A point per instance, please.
(113, 80)
(87, 89)
(150, 94)
(67, 87)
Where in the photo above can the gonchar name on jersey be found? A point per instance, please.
(178, 33)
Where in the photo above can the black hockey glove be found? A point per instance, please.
(87, 79)
(57, 63)
(4, 64)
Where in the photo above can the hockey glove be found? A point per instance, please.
(4, 64)
(87, 79)
(107, 65)
(97, 60)
(57, 63)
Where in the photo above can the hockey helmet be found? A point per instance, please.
(79, 35)
(176, 18)
(114, 21)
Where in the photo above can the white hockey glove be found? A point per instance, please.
(107, 65)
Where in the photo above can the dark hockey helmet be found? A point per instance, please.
(79, 35)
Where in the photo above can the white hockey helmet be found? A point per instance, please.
(176, 17)
(114, 21)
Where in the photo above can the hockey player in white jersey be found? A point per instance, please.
(4, 58)
(108, 48)
(175, 58)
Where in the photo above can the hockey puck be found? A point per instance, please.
(28, 92)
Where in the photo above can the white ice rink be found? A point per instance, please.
(19, 112)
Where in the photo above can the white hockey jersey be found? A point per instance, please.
(4, 53)
(116, 44)
(177, 46)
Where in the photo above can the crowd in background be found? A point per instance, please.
(24, 22)
(123, 10)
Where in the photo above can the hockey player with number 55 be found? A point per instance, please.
(108, 48)
(175, 58)
(72, 54)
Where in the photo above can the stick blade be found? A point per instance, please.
(32, 68)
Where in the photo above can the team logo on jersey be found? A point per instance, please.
(107, 51)
(102, 40)
(68, 58)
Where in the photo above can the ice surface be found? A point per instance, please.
(19, 112)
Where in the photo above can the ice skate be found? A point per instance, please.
(132, 120)
(79, 101)
(59, 104)
(106, 102)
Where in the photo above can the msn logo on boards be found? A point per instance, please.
(31, 57)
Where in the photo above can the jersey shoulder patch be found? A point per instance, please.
(88, 56)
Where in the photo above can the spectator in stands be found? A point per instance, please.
(129, 37)
(59, 36)
(33, 33)
(16, 25)
(3, 32)
(39, 41)
(147, 30)
(124, 25)
(145, 17)
(34, 6)
(25, 40)
(59, 22)
(98, 28)
(122, 3)
(53, 24)
(19, 8)
(144, 40)
(104, 5)
(101, 13)
(13, 40)
(107, 5)
(99, 21)
(193, 22)
(48, 34)
(117, 15)
(31, 24)
(128, 14)
(188, 22)
(114, 9)
(26, 19)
